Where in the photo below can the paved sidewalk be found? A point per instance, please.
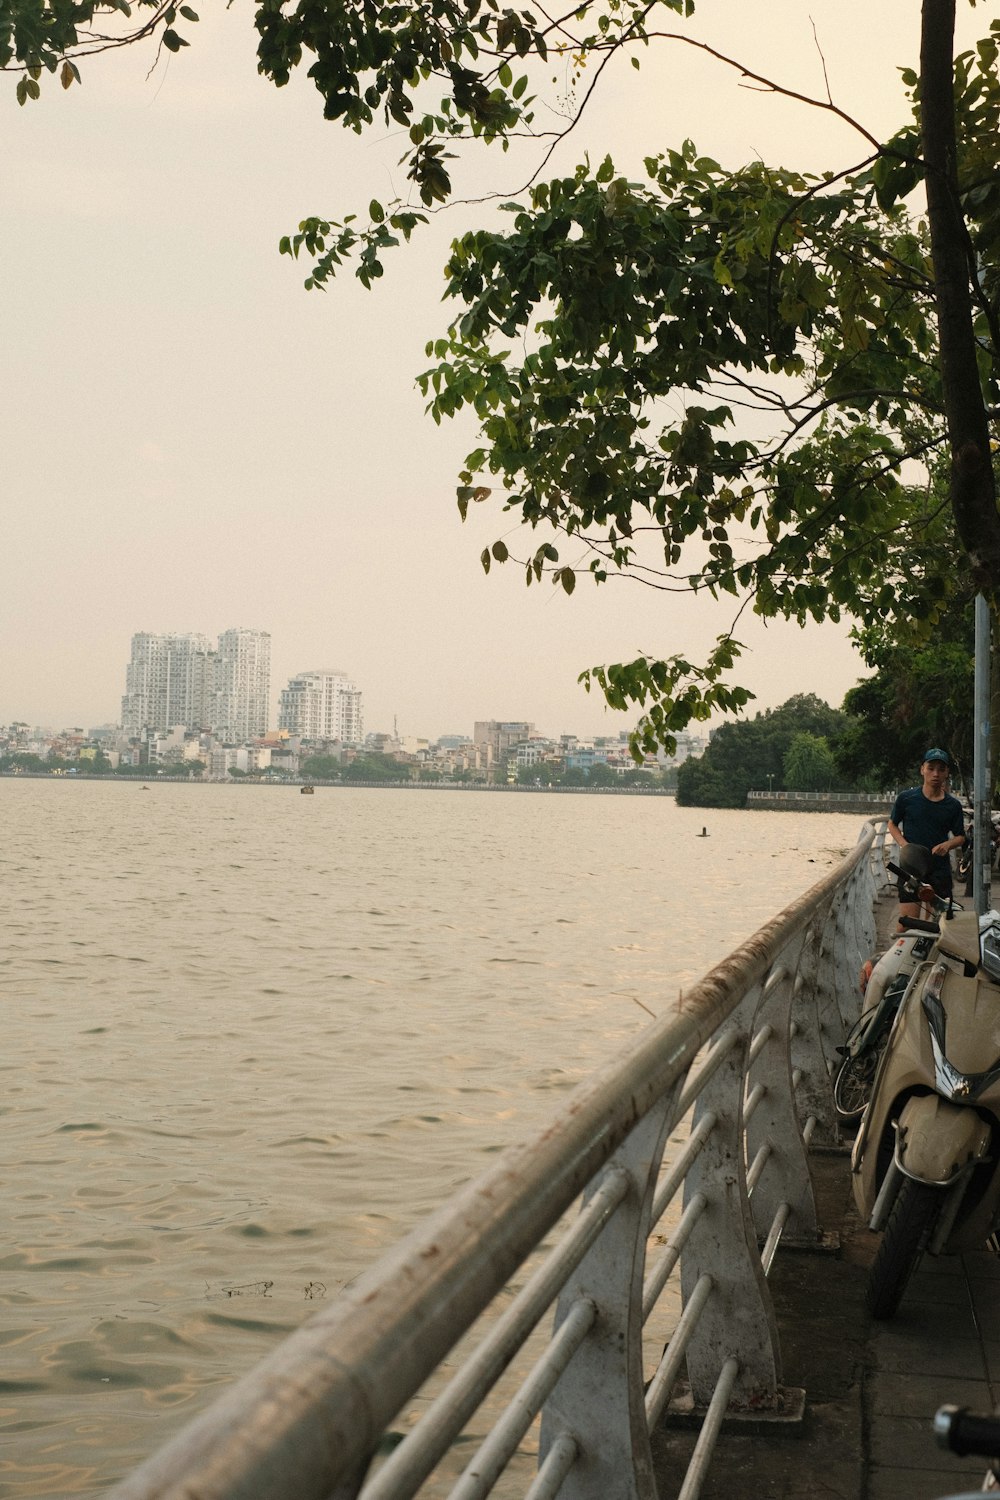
(871, 1388)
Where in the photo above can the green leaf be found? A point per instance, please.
(376, 212)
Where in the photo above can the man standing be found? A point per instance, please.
(929, 815)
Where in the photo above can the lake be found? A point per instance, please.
(251, 1038)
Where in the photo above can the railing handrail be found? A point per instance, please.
(308, 1419)
(870, 799)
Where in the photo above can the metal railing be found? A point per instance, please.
(874, 800)
(742, 1067)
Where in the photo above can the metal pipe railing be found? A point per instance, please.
(748, 1050)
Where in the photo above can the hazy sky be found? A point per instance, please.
(191, 442)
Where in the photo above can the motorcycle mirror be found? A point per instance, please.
(915, 861)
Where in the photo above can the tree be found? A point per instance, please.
(322, 767)
(375, 767)
(186, 768)
(809, 765)
(635, 776)
(752, 754)
(53, 34)
(607, 296)
(917, 697)
(608, 341)
(97, 765)
(24, 760)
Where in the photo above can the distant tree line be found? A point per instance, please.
(374, 767)
(786, 749)
(915, 697)
(92, 765)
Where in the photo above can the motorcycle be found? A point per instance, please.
(884, 985)
(926, 1160)
(964, 861)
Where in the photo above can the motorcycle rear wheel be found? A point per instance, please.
(911, 1223)
(852, 1086)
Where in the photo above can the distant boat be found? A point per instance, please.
(307, 791)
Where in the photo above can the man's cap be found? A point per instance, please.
(938, 755)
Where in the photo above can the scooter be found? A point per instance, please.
(926, 1159)
(884, 985)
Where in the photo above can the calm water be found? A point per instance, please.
(251, 1038)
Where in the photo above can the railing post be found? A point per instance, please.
(774, 1127)
(598, 1403)
(859, 900)
(853, 936)
(738, 1318)
(818, 1031)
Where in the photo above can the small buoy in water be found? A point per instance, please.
(704, 834)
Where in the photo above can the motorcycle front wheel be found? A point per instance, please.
(911, 1223)
(852, 1087)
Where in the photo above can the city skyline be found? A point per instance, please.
(178, 679)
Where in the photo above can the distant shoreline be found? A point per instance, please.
(338, 786)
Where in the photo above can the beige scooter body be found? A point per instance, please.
(936, 1119)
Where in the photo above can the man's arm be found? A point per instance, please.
(957, 830)
(896, 835)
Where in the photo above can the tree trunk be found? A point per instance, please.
(994, 771)
(973, 487)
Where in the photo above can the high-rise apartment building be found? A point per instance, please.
(182, 680)
(169, 681)
(322, 705)
(242, 685)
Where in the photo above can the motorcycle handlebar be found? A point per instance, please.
(964, 1431)
(914, 924)
(916, 887)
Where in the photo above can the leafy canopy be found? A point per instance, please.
(712, 379)
(51, 36)
(756, 754)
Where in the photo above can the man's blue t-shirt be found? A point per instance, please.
(925, 822)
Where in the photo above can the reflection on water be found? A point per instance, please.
(252, 1038)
